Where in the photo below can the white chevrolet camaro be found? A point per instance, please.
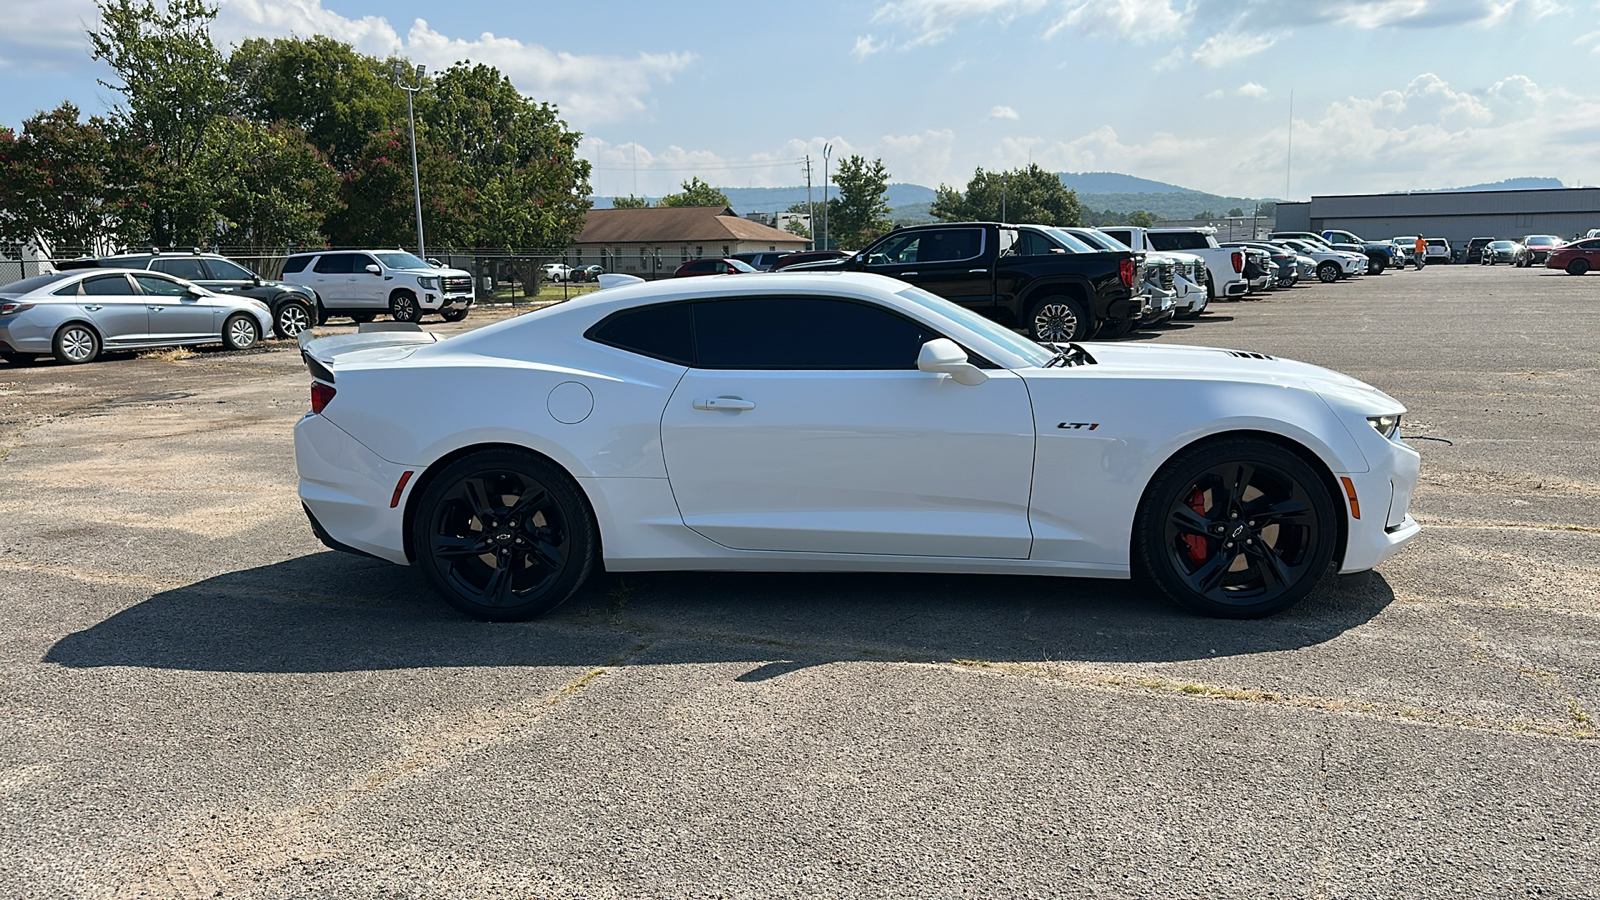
(844, 423)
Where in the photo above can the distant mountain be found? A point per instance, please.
(1510, 184)
(1117, 183)
(1170, 205)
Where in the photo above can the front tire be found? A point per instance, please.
(1059, 318)
(1328, 272)
(1376, 266)
(1577, 267)
(75, 344)
(403, 307)
(240, 332)
(454, 315)
(292, 318)
(503, 535)
(1237, 528)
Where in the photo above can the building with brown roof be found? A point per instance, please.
(652, 243)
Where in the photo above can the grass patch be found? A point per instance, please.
(170, 354)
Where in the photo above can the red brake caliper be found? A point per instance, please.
(1199, 550)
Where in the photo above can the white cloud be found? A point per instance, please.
(866, 46)
(1252, 90)
(1138, 20)
(1215, 95)
(46, 34)
(1002, 112)
(934, 20)
(588, 89)
(1228, 47)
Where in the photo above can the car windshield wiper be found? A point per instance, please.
(1070, 355)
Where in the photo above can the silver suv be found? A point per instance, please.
(363, 283)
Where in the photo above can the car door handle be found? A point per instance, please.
(155, 308)
(96, 308)
(976, 271)
(910, 273)
(737, 404)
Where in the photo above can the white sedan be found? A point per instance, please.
(839, 422)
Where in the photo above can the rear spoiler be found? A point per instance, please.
(320, 353)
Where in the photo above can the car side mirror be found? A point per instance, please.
(942, 356)
(373, 269)
(193, 293)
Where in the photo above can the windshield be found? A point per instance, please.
(740, 266)
(399, 260)
(1102, 241)
(1541, 240)
(1071, 242)
(1016, 343)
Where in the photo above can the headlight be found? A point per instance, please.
(428, 282)
(1385, 425)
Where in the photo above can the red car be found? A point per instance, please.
(712, 267)
(1577, 257)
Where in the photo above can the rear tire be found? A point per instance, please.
(1058, 318)
(1237, 528)
(503, 535)
(1577, 267)
(291, 319)
(76, 344)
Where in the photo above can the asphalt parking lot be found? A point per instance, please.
(198, 700)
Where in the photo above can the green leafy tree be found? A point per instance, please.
(695, 193)
(339, 97)
(860, 214)
(1236, 212)
(1141, 219)
(1205, 214)
(797, 228)
(270, 187)
(630, 202)
(66, 185)
(1030, 195)
(378, 209)
(169, 74)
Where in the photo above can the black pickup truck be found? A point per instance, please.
(1016, 276)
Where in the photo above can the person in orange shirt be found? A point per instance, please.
(1422, 253)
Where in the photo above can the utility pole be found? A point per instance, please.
(411, 117)
(811, 208)
(827, 151)
(1002, 197)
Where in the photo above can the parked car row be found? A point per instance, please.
(1575, 258)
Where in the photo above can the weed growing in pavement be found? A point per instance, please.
(171, 354)
(618, 597)
(1576, 713)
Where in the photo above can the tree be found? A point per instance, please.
(1235, 213)
(1141, 219)
(630, 202)
(339, 97)
(1205, 214)
(797, 228)
(860, 214)
(172, 86)
(378, 209)
(270, 187)
(695, 193)
(65, 185)
(1030, 196)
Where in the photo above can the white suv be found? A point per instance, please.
(363, 283)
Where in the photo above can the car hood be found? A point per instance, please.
(441, 272)
(1217, 364)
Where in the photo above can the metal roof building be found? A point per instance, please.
(1457, 216)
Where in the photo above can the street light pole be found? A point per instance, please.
(411, 117)
(827, 151)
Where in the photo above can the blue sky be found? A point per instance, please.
(1388, 94)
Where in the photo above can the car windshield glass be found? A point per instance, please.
(28, 285)
(1541, 240)
(1071, 242)
(740, 266)
(1010, 340)
(1102, 241)
(396, 260)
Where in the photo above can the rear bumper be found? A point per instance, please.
(347, 491)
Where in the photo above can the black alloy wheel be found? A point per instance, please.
(403, 307)
(1237, 528)
(1577, 267)
(292, 318)
(1058, 319)
(503, 535)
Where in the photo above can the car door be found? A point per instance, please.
(829, 440)
(368, 289)
(177, 313)
(227, 277)
(116, 310)
(952, 262)
(331, 277)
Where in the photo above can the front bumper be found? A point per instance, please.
(443, 302)
(1384, 493)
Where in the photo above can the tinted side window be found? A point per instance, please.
(334, 264)
(160, 287)
(107, 286)
(296, 264)
(949, 245)
(1032, 243)
(226, 270)
(1182, 240)
(188, 269)
(661, 332)
(816, 333)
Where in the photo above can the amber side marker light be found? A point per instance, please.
(1350, 494)
(405, 479)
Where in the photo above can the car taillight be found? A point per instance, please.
(1238, 261)
(10, 308)
(320, 395)
(1126, 271)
